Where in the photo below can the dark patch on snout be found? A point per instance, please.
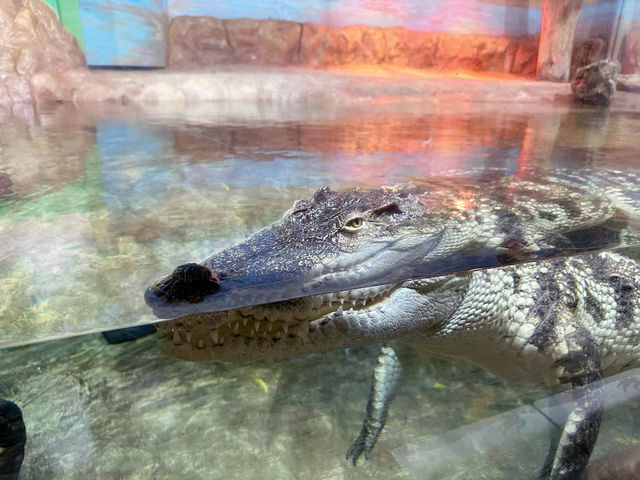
(190, 282)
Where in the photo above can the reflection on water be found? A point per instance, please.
(93, 206)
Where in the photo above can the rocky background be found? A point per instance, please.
(208, 41)
(32, 41)
(41, 61)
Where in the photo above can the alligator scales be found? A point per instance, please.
(563, 320)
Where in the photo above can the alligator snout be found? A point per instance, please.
(190, 282)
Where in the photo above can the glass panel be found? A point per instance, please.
(217, 117)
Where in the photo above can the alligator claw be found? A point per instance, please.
(363, 444)
(354, 452)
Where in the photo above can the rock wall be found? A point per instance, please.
(557, 29)
(44, 148)
(631, 55)
(200, 42)
(31, 41)
(587, 52)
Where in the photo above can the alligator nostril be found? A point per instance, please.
(190, 282)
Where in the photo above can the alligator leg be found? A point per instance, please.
(12, 440)
(554, 440)
(383, 388)
(578, 436)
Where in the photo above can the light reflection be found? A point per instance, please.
(139, 197)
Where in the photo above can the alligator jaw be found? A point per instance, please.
(390, 259)
(312, 250)
(274, 330)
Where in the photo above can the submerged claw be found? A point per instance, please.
(383, 388)
(358, 448)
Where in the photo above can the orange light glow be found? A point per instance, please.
(392, 70)
(465, 202)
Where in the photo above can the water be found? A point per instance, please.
(94, 205)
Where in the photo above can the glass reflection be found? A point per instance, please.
(137, 196)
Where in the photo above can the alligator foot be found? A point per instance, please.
(383, 388)
(578, 437)
(579, 434)
(12, 440)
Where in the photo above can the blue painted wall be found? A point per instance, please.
(633, 12)
(124, 32)
(451, 16)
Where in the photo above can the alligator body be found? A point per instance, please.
(566, 320)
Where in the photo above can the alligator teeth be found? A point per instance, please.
(316, 302)
(286, 322)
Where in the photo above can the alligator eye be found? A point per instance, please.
(354, 224)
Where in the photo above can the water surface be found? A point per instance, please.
(95, 205)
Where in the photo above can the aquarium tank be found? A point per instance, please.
(319, 239)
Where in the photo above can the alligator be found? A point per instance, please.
(342, 265)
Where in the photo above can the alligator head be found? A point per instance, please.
(271, 294)
(342, 242)
(334, 241)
